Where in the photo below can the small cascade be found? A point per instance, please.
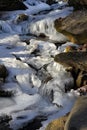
(55, 89)
(46, 27)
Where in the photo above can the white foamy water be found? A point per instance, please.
(37, 81)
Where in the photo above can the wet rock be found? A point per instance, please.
(21, 18)
(57, 124)
(4, 122)
(4, 93)
(48, 79)
(42, 35)
(74, 27)
(3, 73)
(44, 76)
(8, 5)
(78, 4)
(77, 119)
(76, 63)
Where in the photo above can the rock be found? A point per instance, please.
(4, 122)
(9, 5)
(78, 4)
(42, 35)
(4, 93)
(74, 27)
(77, 119)
(3, 72)
(57, 124)
(21, 18)
(76, 63)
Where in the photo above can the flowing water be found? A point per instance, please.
(27, 49)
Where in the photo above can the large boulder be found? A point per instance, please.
(76, 63)
(74, 26)
(9, 5)
(78, 4)
(76, 60)
(77, 119)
